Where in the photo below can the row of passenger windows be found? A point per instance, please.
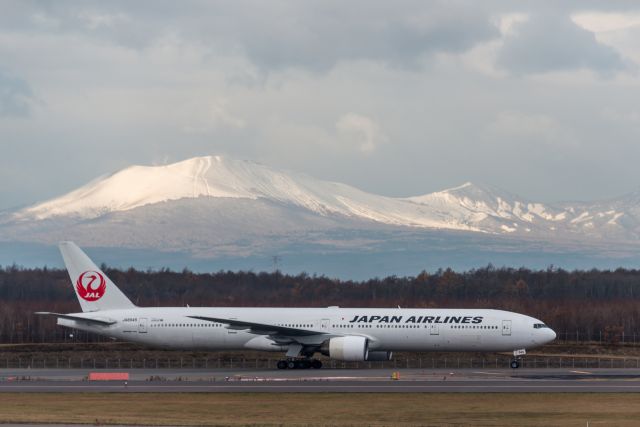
(216, 325)
(376, 326)
(383, 326)
(185, 325)
(339, 326)
(473, 327)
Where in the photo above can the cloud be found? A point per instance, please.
(278, 34)
(212, 116)
(318, 36)
(428, 91)
(95, 20)
(537, 128)
(360, 131)
(16, 96)
(548, 42)
(606, 21)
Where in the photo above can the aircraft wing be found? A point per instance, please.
(260, 328)
(103, 322)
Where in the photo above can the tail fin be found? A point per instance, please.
(94, 289)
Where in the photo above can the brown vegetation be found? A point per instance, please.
(591, 305)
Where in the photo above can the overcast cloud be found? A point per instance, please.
(399, 98)
(15, 96)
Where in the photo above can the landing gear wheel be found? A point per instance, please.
(299, 364)
(515, 364)
(304, 364)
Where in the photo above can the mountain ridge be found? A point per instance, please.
(468, 207)
(209, 204)
(215, 211)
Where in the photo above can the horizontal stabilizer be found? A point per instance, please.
(103, 321)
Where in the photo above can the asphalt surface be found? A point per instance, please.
(326, 380)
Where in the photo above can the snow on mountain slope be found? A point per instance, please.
(498, 211)
(479, 203)
(469, 207)
(138, 186)
(133, 187)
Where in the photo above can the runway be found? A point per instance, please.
(327, 380)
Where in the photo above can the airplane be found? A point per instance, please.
(345, 334)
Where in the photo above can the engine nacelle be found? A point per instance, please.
(348, 349)
(379, 356)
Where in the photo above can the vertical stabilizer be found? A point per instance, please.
(95, 291)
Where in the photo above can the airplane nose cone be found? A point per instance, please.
(552, 334)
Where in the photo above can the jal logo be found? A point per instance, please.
(91, 285)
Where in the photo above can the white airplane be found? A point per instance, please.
(347, 334)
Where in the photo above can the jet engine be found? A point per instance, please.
(349, 349)
(352, 349)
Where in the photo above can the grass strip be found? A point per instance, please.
(322, 409)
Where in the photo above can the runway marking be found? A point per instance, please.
(489, 373)
(581, 372)
(297, 379)
(324, 387)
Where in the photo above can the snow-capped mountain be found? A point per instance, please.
(215, 177)
(221, 208)
(497, 211)
(469, 207)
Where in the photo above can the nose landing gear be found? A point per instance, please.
(517, 357)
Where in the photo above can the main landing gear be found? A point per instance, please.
(299, 364)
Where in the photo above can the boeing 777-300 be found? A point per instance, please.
(346, 334)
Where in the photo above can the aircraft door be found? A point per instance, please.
(433, 329)
(142, 325)
(324, 324)
(506, 327)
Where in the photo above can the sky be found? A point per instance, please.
(399, 98)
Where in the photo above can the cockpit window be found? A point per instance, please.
(539, 325)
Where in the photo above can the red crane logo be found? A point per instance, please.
(91, 285)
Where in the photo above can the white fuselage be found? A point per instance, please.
(385, 329)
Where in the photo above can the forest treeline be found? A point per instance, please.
(581, 302)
